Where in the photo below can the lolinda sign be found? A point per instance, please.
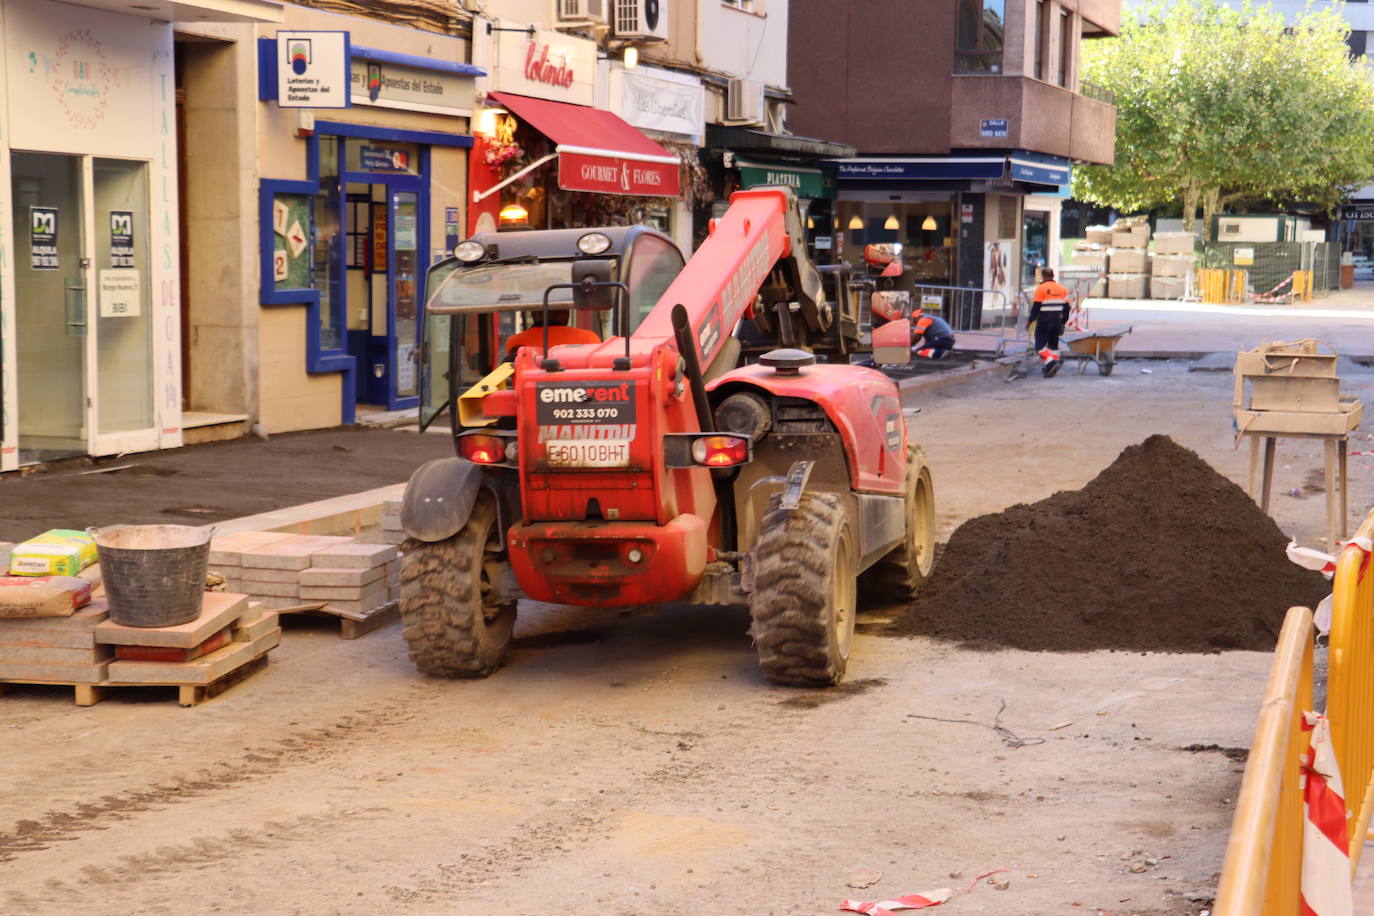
(549, 65)
(312, 70)
(663, 104)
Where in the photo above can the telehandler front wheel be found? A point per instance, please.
(901, 575)
(450, 627)
(804, 595)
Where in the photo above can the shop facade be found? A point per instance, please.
(986, 220)
(746, 157)
(353, 204)
(90, 321)
(546, 155)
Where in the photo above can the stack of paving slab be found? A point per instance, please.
(1091, 254)
(1127, 260)
(1171, 264)
(88, 649)
(392, 533)
(341, 576)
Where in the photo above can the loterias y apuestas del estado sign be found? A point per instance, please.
(312, 69)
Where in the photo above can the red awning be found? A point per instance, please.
(597, 150)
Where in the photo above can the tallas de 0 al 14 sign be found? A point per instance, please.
(312, 70)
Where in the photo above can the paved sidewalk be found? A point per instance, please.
(1189, 329)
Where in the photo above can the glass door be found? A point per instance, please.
(50, 287)
(123, 400)
(405, 293)
(84, 329)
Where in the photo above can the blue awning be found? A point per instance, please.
(1016, 165)
(907, 168)
(1039, 168)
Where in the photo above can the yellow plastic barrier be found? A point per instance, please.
(1263, 869)
(1350, 684)
(1221, 287)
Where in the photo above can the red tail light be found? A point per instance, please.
(720, 451)
(483, 449)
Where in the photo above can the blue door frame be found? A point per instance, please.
(383, 390)
(381, 350)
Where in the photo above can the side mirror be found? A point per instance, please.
(591, 285)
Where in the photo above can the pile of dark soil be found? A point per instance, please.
(1159, 552)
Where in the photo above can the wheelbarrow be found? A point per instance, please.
(1098, 346)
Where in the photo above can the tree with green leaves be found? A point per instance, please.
(1222, 107)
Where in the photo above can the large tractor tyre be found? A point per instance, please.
(804, 595)
(446, 619)
(902, 573)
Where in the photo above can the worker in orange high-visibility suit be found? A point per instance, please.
(932, 337)
(559, 333)
(1049, 312)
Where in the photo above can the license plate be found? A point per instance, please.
(594, 453)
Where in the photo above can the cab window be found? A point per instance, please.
(652, 266)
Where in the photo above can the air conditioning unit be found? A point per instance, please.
(580, 12)
(744, 101)
(641, 19)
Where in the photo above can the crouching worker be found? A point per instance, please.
(932, 336)
(1048, 313)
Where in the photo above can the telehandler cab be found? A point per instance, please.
(676, 431)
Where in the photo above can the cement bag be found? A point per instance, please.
(43, 596)
(59, 552)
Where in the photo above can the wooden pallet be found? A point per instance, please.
(351, 625)
(187, 694)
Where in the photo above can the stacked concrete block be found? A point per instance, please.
(1100, 236)
(340, 575)
(63, 650)
(1127, 261)
(392, 533)
(230, 632)
(352, 578)
(1171, 265)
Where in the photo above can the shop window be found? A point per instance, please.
(979, 36)
(653, 265)
(1067, 43)
(1042, 11)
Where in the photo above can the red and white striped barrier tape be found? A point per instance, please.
(1270, 297)
(1325, 564)
(909, 902)
(1325, 840)
(913, 901)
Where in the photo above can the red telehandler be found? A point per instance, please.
(714, 447)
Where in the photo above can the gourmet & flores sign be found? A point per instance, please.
(617, 175)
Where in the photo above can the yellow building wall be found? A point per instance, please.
(289, 397)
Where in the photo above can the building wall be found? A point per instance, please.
(876, 75)
(745, 43)
(259, 142)
(220, 85)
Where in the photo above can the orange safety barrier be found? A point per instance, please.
(1262, 873)
(1350, 683)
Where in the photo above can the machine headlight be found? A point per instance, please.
(470, 251)
(593, 243)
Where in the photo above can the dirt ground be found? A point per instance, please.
(637, 763)
(211, 482)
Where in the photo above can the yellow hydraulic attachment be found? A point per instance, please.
(470, 411)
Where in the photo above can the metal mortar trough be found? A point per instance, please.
(154, 575)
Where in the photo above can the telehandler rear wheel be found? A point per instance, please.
(804, 595)
(447, 621)
(902, 574)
